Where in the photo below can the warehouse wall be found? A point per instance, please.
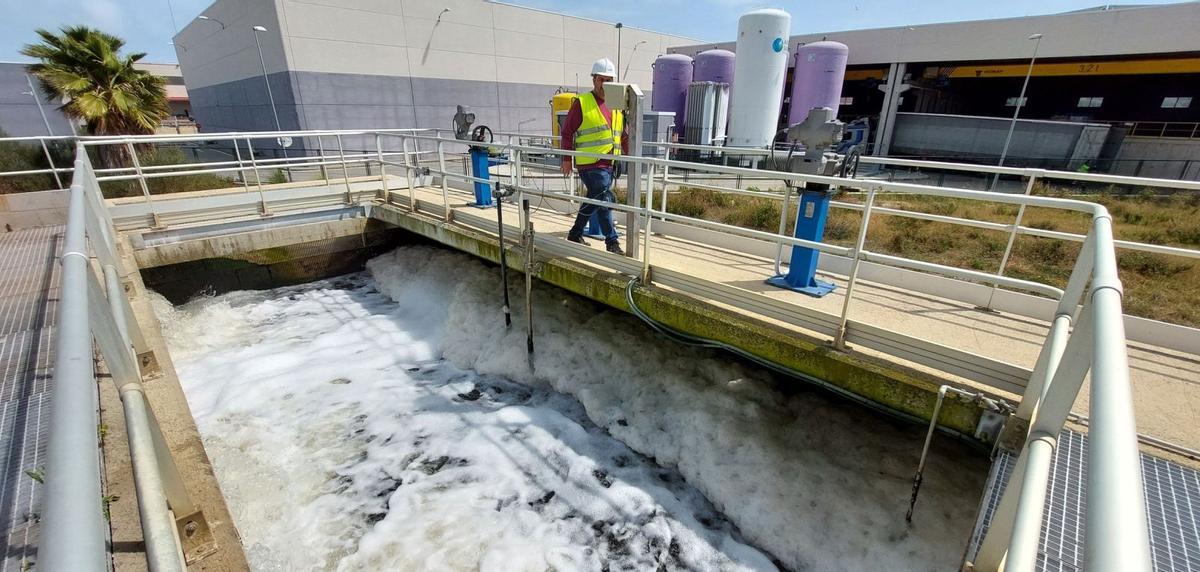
(19, 115)
(1119, 31)
(392, 64)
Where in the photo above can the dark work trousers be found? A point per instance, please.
(599, 187)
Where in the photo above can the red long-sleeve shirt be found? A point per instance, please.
(574, 119)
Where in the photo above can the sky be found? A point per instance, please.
(147, 26)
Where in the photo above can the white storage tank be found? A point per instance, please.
(758, 77)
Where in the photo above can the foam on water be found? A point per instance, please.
(388, 421)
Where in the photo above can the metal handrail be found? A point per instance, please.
(1115, 511)
(72, 527)
(1097, 343)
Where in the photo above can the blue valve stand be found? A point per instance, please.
(480, 165)
(810, 225)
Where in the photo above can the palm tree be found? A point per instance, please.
(84, 66)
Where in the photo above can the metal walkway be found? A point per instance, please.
(29, 275)
(1172, 507)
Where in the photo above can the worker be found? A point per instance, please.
(592, 127)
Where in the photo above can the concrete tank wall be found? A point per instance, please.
(1159, 157)
(1042, 144)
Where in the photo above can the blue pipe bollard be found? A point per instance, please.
(480, 167)
(810, 225)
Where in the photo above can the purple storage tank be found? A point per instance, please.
(672, 75)
(714, 65)
(817, 81)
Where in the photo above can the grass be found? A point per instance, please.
(1156, 286)
(165, 185)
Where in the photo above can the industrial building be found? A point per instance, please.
(1126, 77)
(392, 64)
(21, 117)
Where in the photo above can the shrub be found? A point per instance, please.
(1150, 264)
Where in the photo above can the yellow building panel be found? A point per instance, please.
(855, 75)
(1095, 68)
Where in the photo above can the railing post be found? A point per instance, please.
(387, 193)
(50, 161)
(442, 169)
(324, 169)
(783, 215)
(1012, 236)
(241, 168)
(411, 165)
(262, 197)
(646, 210)
(345, 169)
(839, 340)
(137, 167)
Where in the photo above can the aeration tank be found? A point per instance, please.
(672, 75)
(758, 76)
(817, 81)
(714, 65)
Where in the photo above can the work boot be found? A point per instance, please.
(577, 240)
(615, 248)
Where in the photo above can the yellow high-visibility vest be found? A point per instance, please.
(595, 135)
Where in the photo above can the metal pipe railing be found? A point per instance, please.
(1097, 343)
(72, 524)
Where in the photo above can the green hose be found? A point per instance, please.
(697, 341)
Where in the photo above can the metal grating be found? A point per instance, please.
(1172, 501)
(28, 300)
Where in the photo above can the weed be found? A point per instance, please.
(1150, 264)
(277, 177)
(107, 500)
(1044, 225)
(838, 229)
(38, 475)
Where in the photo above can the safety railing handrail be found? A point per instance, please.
(1115, 509)
(1099, 325)
(72, 527)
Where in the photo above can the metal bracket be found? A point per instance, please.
(196, 537)
(148, 365)
(1012, 437)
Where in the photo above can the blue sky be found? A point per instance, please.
(146, 24)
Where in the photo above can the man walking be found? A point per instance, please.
(592, 127)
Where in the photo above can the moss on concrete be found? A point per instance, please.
(890, 384)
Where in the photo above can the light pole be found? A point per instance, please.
(634, 51)
(38, 100)
(1037, 38)
(203, 17)
(619, 26)
(263, 63)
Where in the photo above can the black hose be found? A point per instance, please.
(697, 341)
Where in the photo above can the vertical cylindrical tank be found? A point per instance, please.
(758, 76)
(817, 80)
(714, 65)
(672, 75)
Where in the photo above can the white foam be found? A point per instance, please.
(342, 441)
(401, 469)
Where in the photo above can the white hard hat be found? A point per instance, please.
(604, 66)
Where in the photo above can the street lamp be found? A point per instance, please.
(203, 17)
(38, 100)
(1037, 42)
(634, 51)
(263, 63)
(619, 26)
